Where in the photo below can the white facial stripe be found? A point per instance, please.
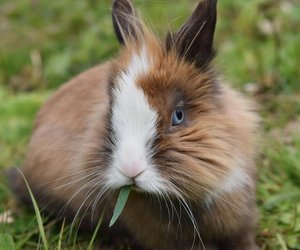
(132, 115)
(134, 123)
(139, 65)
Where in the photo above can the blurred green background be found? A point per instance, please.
(44, 43)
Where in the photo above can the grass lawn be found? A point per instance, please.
(44, 43)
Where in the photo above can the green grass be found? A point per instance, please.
(44, 43)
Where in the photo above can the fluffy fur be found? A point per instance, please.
(111, 126)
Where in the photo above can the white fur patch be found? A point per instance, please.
(236, 179)
(134, 123)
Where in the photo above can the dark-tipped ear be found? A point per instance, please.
(194, 41)
(126, 22)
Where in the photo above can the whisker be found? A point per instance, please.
(189, 212)
(79, 210)
(179, 226)
(75, 181)
(71, 175)
(73, 196)
(97, 199)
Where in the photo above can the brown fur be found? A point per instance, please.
(72, 136)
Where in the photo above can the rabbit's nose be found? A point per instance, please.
(132, 170)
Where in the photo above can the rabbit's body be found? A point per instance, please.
(115, 125)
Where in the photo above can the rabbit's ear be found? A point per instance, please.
(126, 22)
(194, 41)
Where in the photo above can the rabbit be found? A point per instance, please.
(160, 118)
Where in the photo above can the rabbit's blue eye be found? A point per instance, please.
(177, 117)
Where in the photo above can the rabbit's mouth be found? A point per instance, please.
(136, 188)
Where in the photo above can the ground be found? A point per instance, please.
(44, 43)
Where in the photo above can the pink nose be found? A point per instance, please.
(132, 170)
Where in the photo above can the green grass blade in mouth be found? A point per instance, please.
(122, 199)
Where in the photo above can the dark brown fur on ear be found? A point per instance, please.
(194, 41)
(125, 21)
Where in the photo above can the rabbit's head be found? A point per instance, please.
(171, 128)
